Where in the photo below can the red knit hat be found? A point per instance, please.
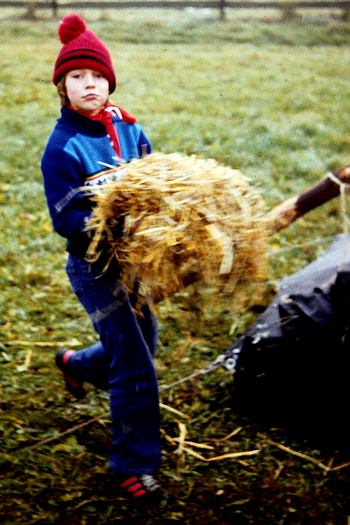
(82, 49)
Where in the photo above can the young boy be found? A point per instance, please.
(90, 134)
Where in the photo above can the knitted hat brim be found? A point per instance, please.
(80, 62)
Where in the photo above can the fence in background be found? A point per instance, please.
(288, 7)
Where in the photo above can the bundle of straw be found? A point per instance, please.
(186, 220)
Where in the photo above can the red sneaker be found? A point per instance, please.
(74, 385)
(144, 488)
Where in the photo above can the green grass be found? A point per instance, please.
(270, 99)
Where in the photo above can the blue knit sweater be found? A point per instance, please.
(76, 155)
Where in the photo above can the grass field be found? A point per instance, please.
(268, 98)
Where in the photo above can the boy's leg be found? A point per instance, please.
(91, 365)
(132, 380)
(133, 392)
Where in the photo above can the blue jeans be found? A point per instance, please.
(122, 363)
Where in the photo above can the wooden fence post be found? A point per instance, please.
(222, 9)
(54, 7)
(31, 11)
(288, 11)
(346, 13)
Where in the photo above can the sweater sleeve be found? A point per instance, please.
(68, 204)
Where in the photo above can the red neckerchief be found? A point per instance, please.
(105, 116)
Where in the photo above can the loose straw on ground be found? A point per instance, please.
(308, 458)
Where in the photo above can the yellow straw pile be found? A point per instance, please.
(186, 220)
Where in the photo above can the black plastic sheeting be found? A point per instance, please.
(292, 366)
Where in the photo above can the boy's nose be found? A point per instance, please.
(89, 80)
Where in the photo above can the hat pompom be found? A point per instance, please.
(71, 27)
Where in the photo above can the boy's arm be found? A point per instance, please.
(68, 204)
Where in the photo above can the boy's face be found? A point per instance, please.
(87, 90)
